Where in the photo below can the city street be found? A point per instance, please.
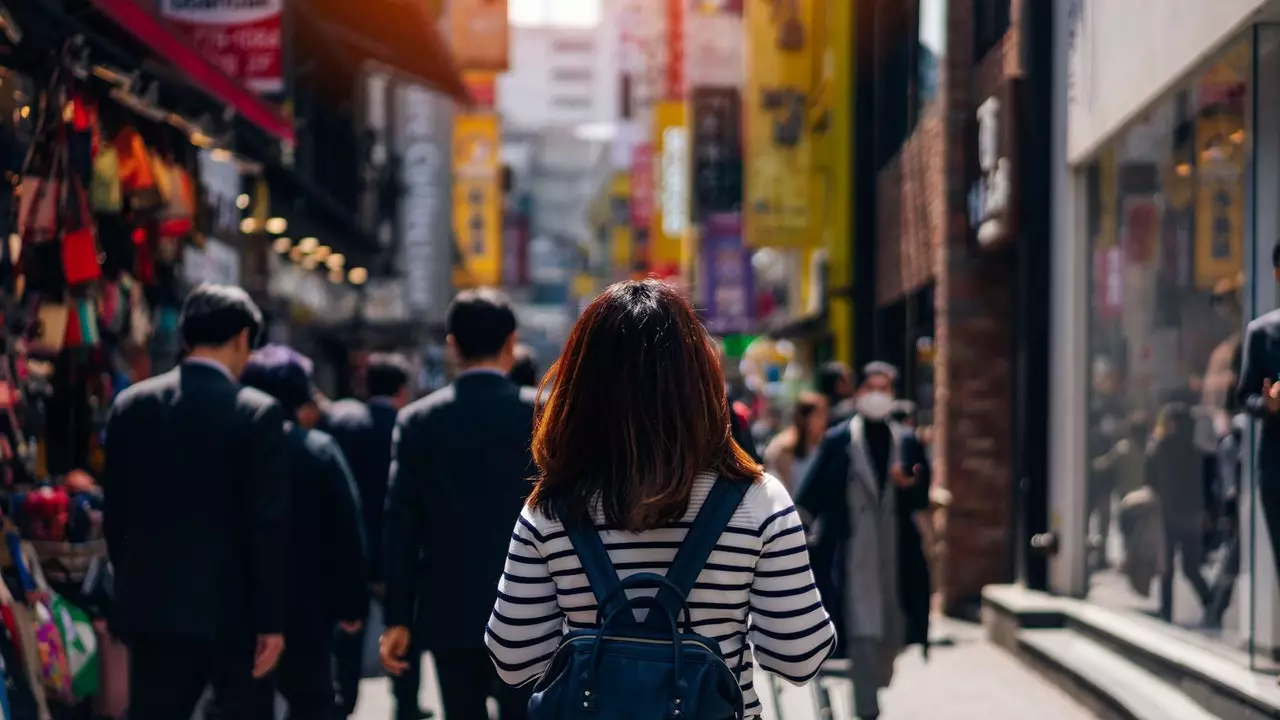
(961, 681)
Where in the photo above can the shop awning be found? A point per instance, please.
(167, 44)
(400, 34)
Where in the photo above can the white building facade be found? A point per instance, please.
(1166, 206)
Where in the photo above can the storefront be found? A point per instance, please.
(1166, 210)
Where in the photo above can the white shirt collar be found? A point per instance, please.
(212, 364)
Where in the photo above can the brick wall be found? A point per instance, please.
(924, 232)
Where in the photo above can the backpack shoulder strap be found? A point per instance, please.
(691, 558)
(601, 574)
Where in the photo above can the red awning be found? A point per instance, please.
(154, 33)
(399, 34)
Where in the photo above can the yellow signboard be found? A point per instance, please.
(671, 181)
(1219, 199)
(477, 201)
(620, 224)
(781, 70)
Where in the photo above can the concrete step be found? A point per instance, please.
(1109, 683)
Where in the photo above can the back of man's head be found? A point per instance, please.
(524, 371)
(387, 375)
(214, 315)
(833, 380)
(481, 323)
(283, 373)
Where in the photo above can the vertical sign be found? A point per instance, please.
(242, 37)
(671, 219)
(675, 83)
(717, 150)
(713, 44)
(781, 70)
(620, 224)
(726, 269)
(423, 130)
(478, 34)
(642, 185)
(1220, 144)
(477, 201)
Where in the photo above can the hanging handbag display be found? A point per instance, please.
(105, 192)
(137, 176)
(28, 692)
(54, 666)
(177, 219)
(49, 330)
(80, 257)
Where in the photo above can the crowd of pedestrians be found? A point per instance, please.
(251, 527)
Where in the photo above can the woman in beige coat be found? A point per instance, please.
(789, 455)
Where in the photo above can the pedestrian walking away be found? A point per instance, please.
(461, 472)
(197, 519)
(364, 431)
(328, 583)
(633, 446)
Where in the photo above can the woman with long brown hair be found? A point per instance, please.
(791, 453)
(631, 441)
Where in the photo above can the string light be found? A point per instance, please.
(282, 245)
(336, 261)
(336, 275)
(310, 262)
(322, 252)
(296, 254)
(242, 202)
(248, 226)
(277, 225)
(357, 276)
(309, 244)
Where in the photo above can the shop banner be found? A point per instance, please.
(620, 225)
(1108, 282)
(781, 71)
(220, 179)
(728, 287)
(483, 89)
(1219, 199)
(478, 34)
(671, 178)
(717, 150)
(674, 86)
(713, 44)
(477, 200)
(422, 128)
(242, 37)
(642, 185)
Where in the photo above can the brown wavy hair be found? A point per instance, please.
(637, 411)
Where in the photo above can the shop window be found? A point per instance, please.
(1166, 229)
(931, 50)
(991, 19)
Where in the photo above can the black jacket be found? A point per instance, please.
(329, 573)
(363, 431)
(197, 506)
(1260, 360)
(822, 495)
(460, 475)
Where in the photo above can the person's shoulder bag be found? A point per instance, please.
(646, 671)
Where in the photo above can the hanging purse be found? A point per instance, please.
(41, 190)
(137, 177)
(49, 331)
(105, 192)
(80, 257)
(177, 219)
(54, 666)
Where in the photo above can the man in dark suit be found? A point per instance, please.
(1259, 394)
(197, 519)
(363, 431)
(329, 574)
(460, 475)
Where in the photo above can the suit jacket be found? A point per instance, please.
(1260, 360)
(460, 475)
(329, 572)
(197, 506)
(363, 431)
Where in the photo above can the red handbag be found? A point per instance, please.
(80, 258)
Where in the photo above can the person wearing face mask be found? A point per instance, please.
(876, 470)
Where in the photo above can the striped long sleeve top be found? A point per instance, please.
(756, 593)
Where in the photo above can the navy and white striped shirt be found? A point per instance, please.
(757, 582)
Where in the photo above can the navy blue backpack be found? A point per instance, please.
(656, 670)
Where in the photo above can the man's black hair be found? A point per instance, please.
(1275, 255)
(213, 315)
(829, 377)
(524, 371)
(480, 321)
(283, 373)
(386, 374)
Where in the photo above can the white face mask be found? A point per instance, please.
(875, 406)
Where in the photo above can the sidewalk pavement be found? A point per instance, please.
(965, 679)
